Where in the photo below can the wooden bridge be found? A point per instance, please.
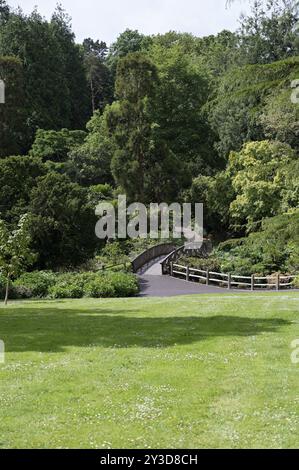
(161, 275)
(169, 253)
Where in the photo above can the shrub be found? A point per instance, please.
(125, 285)
(112, 285)
(66, 290)
(211, 263)
(69, 285)
(272, 249)
(100, 288)
(35, 284)
(72, 285)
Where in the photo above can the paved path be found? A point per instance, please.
(166, 286)
(153, 268)
(153, 284)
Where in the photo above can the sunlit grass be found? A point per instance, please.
(187, 372)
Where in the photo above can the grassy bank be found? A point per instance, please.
(198, 371)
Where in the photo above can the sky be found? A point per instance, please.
(106, 19)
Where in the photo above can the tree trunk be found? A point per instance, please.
(93, 101)
(7, 289)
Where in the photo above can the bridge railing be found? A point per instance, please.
(150, 254)
(203, 252)
(231, 281)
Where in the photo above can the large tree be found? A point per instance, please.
(18, 176)
(269, 33)
(4, 11)
(90, 163)
(56, 145)
(260, 175)
(129, 123)
(127, 42)
(242, 98)
(98, 74)
(177, 107)
(280, 118)
(12, 112)
(54, 77)
(143, 165)
(63, 228)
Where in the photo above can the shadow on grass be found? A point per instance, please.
(52, 330)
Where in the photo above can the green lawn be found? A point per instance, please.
(186, 372)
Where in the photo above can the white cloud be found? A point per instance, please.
(104, 20)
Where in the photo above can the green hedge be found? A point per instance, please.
(35, 284)
(102, 285)
(46, 284)
(211, 263)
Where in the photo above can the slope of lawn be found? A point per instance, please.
(185, 372)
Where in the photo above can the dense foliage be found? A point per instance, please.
(12, 128)
(164, 118)
(47, 284)
(275, 248)
(55, 86)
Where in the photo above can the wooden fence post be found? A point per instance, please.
(252, 282)
(171, 268)
(187, 273)
(229, 282)
(208, 277)
(278, 282)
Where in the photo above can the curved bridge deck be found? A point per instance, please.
(148, 266)
(153, 283)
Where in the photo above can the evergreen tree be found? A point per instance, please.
(12, 112)
(98, 74)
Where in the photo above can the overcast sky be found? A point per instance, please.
(106, 19)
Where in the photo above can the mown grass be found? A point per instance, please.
(187, 372)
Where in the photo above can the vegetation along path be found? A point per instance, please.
(153, 284)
